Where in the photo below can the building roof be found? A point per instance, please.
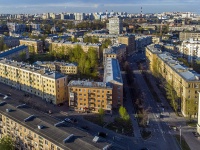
(112, 71)
(87, 83)
(40, 63)
(56, 135)
(36, 69)
(13, 50)
(154, 48)
(114, 48)
(31, 40)
(179, 68)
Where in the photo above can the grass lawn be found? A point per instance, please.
(145, 134)
(121, 127)
(184, 145)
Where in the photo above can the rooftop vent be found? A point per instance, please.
(21, 106)
(68, 138)
(29, 118)
(2, 103)
(59, 123)
(40, 127)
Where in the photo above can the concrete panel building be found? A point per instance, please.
(115, 25)
(129, 40)
(187, 35)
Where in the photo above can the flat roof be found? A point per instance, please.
(112, 71)
(36, 69)
(114, 48)
(81, 83)
(40, 63)
(179, 68)
(56, 135)
(77, 43)
(154, 48)
(13, 50)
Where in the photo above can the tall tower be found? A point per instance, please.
(141, 15)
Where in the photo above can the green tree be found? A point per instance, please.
(6, 143)
(1, 43)
(101, 115)
(5, 47)
(123, 113)
(22, 56)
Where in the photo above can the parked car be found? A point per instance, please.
(68, 120)
(102, 134)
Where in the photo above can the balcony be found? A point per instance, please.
(29, 137)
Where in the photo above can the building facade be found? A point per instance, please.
(115, 25)
(50, 86)
(185, 81)
(35, 46)
(129, 40)
(187, 35)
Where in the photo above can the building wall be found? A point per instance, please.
(129, 41)
(187, 90)
(34, 46)
(25, 138)
(30, 81)
(93, 98)
(186, 35)
(115, 25)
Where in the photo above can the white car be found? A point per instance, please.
(68, 120)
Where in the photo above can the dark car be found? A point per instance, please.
(102, 134)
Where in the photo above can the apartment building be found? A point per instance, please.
(35, 46)
(184, 80)
(65, 46)
(91, 96)
(112, 76)
(129, 40)
(50, 86)
(188, 35)
(11, 41)
(15, 52)
(65, 68)
(142, 41)
(115, 25)
(33, 130)
(190, 49)
(16, 28)
(117, 51)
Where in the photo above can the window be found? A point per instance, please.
(46, 142)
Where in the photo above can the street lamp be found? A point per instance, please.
(180, 137)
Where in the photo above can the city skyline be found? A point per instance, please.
(131, 6)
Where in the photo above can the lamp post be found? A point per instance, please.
(180, 137)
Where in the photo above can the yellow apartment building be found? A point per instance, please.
(184, 80)
(90, 96)
(129, 40)
(35, 46)
(65, 68)
(50, 86)
(33, 130)
(65, 46)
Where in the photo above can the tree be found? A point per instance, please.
(22, 56)
(6, 143)
(101, 115)
(123, 113)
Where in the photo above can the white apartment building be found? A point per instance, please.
(190, 49)
(115, 25)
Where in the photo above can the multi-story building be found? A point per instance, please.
(112, 76)
(190, 49)
(79, 16)
(187, 35)
(33, 130)
(35, 26)
(65, 68)
(35, 46)
(11, 41)
(50, 86)
(185, 81)
(115, 25)
(142, 41)
(117, 51)
(129, 40)
(66, 45)
(15, 52)
(89, 95)
(16, 28)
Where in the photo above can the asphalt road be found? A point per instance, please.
(161, 134)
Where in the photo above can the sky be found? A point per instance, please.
(130, 6)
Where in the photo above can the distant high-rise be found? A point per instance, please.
(79, 16)
(115, 25)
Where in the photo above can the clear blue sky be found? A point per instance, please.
(131, 6)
